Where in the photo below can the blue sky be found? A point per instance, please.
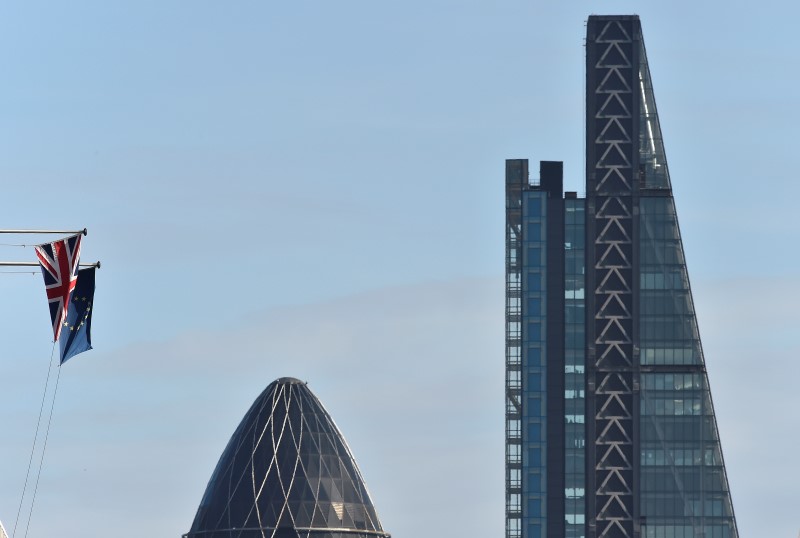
(314, 189)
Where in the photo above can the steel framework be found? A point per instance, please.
(612, 356)
(516, 179)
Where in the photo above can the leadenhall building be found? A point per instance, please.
(610, 425)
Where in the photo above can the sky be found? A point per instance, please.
(315, 189)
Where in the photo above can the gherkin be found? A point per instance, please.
(287, 472)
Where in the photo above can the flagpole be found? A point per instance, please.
(84, 231)
(36, 264)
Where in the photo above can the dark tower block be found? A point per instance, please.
(612, 161)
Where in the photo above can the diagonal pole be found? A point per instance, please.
(71, 232)
(36, 264)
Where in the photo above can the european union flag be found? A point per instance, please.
(76, 331)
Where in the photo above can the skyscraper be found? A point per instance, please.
(287, 472)
(610, 426)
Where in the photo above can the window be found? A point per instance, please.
(534, 331)
(533, 281)
(534, 431)
(533, 231)
(534, 508)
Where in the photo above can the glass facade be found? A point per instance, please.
(534, 367)
(684, 488)
(668, 329)
(683, 485)
(574, 368)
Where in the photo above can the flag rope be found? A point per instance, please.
(35, 437)
(44, 448)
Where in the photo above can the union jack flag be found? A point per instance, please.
(59, 262)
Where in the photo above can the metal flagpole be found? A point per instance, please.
(36, 264)
(55, 391)
(84, 231)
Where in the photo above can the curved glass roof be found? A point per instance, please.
(287, 472)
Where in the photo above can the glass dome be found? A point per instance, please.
(287, 472)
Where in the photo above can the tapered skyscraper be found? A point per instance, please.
(610, 427)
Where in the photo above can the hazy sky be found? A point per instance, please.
(315, 189)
